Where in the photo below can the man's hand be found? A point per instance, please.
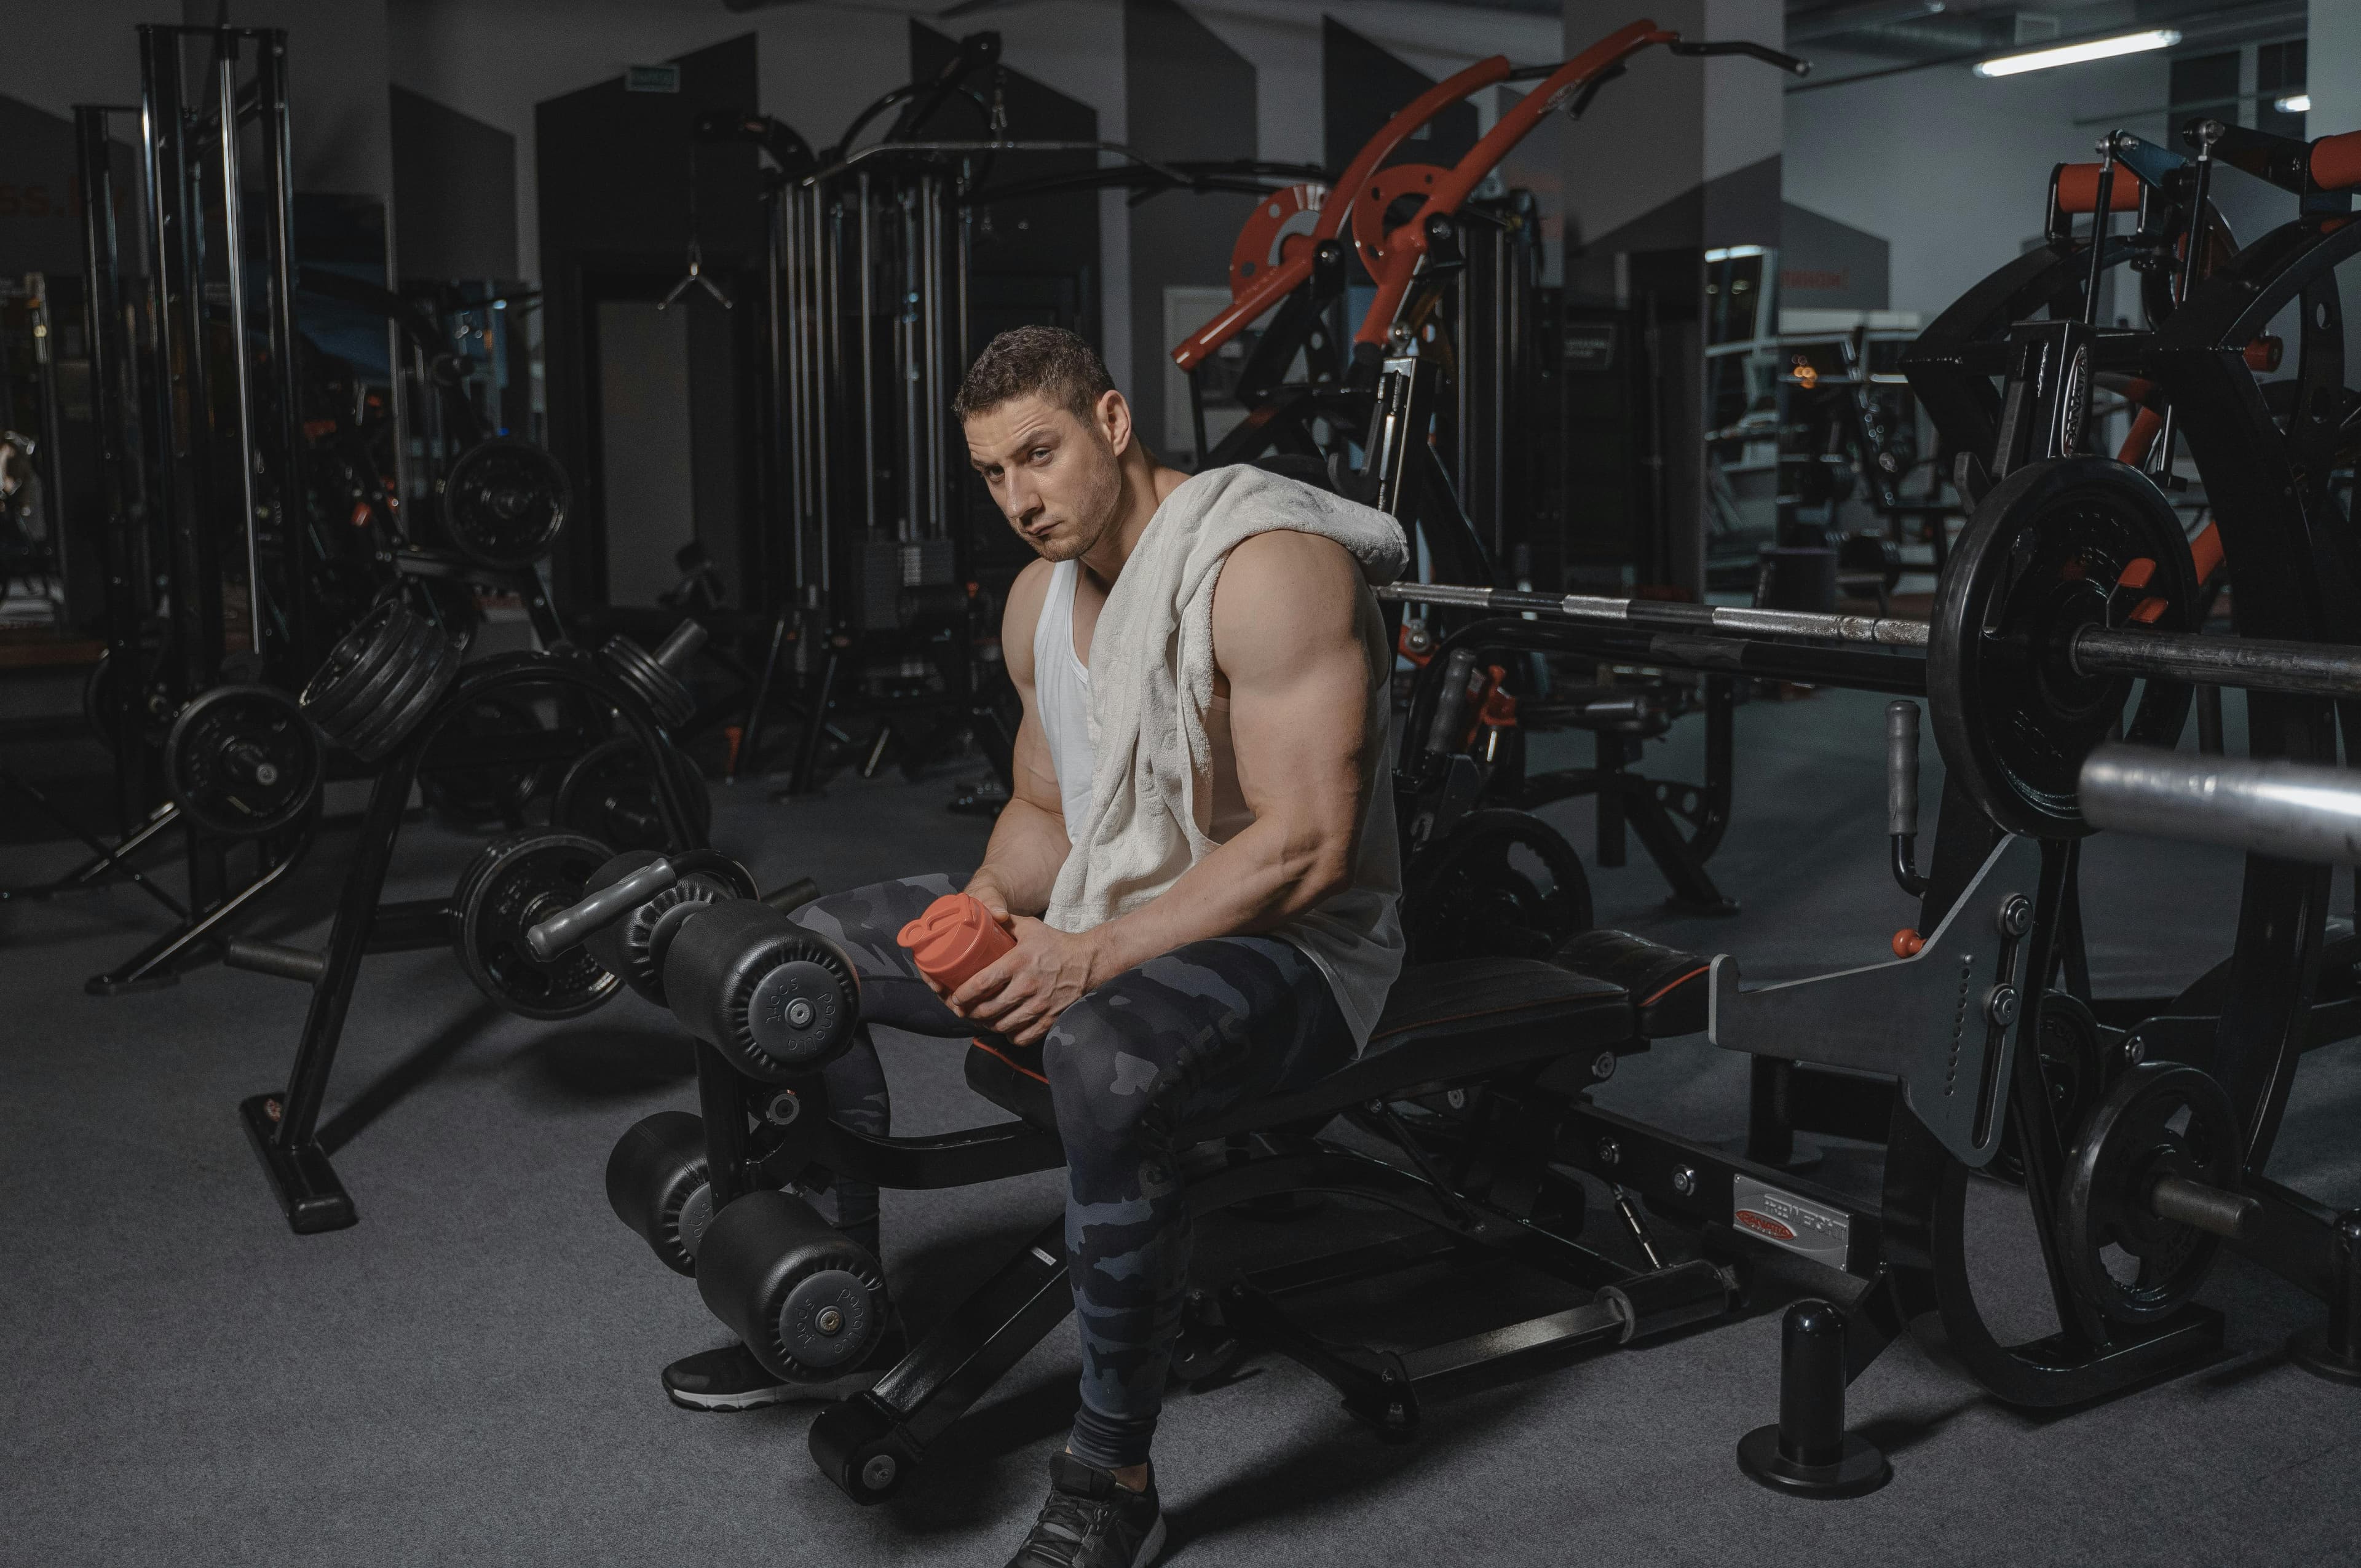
(986, 891)
(1021, 993)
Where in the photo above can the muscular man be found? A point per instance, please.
(1255, 963)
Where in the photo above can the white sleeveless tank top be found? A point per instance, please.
(1354, 938)
(1061, 686)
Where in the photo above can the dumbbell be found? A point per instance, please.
(657, 679)
(778, 1001)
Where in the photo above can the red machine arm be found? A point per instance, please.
(1275, 284)
(1407, 245)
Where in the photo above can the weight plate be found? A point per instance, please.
(1496, 883)
(2045, 556)
(504, 502)
(516, 881)
(476, 796)
(610, 792)
(433, 668)
(242, 760)
(98, 698)
(666, 695)
(361, 657)
(379, 679)
(1279, 226)
(2160, 1119)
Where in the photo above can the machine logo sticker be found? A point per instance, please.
(1763, 1225)
(1783, 1219)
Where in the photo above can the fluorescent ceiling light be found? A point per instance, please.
(2075, 54)
(2298, 105)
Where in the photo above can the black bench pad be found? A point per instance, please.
(1443, 1023)
(1668, 987)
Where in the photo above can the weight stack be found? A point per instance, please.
(884, 566)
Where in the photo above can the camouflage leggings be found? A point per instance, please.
(1180, 1039)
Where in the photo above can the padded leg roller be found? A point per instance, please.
(1809, 1454)
(807, 1302)
(657, 1184)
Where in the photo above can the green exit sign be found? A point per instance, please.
(651, 79)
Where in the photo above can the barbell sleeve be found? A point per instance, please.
(2209, 1209)
(2297, 669)
(2295, 811)
(681, 646)
(568, 926)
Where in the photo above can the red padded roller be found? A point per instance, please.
(2078, 188)
(2336, 161)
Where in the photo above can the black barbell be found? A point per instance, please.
(2072, 581)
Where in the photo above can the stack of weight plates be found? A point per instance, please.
(380, 680)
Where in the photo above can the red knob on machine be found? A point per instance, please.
(954, 939)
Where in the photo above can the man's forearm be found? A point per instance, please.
(1264, 876)
(1027, 847)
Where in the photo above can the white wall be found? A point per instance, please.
(2333, 68)
(1951, 168)
(1282, 38)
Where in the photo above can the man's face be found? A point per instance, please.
(1054, 477)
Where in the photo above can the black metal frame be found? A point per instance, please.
(1499, 1198)
(169, 454)
(283, 1124)
(2289, 552)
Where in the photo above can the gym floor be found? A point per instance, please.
(469, 1375)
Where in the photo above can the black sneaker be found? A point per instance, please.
(1092, 1520)
(729, 1378)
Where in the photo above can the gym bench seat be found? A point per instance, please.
(1444, 1024)
(1477, 1175)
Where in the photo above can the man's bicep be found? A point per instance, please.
(1288, 636)
(1036, 772)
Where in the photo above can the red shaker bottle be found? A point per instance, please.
(956, 938)
(951, 942)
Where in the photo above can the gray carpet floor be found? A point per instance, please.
(469, 1375)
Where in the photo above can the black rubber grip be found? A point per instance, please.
(568, 926)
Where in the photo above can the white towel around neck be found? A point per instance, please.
(1152, 678)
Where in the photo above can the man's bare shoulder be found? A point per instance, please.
(1287, 569)
(1281, 593)
(1020, 615)
(1289, 558)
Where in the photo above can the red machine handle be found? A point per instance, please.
(1402, 256)
(1280, 281)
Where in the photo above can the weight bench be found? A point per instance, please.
(1466, 1075)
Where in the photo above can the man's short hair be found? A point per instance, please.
(1049, 360)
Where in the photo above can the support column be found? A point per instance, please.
(1679, 157)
